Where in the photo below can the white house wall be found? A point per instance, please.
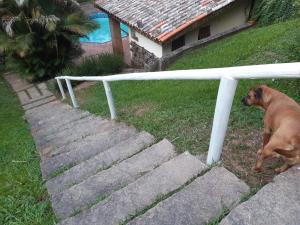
(148, 44)
(233, 17)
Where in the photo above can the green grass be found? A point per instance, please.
(219, 218)
(23, 198)
(182, 111)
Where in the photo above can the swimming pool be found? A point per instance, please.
(103, 34)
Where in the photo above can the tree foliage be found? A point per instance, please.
(267, 12)
(39, 37)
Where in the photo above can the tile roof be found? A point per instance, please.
(160, 19)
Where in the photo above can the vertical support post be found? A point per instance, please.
(71, 93)
(110, 100)
(61, 89)
(117, 42)
(225, 98)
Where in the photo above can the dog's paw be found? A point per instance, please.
(259, 152)
(257, 169)
(278, 170)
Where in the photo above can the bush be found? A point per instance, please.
(39, 37)
(267, 12)
(98, 65)
(2, 59)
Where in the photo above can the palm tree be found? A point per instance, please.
(39, 37)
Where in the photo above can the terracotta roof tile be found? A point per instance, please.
(160, 19)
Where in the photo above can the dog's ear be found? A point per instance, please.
(258, 93)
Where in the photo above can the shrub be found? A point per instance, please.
(99, 65)
(102, 64)
(2, 59)
(39, 37)
(267, 12)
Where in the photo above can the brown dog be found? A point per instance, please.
(281, 126)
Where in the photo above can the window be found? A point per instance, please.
(178, 43)
(204, 32)
(133, 35)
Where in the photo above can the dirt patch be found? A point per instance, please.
(140, 110)
(85, 85)
(239, 156)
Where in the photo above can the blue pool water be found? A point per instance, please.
(103, 34)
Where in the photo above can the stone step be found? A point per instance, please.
(39, 134)
(23, 97)
(199, 202)
(142, 193)
(60, 120)
(119, 152)
(50, 151)
(42, 133)
(39, 103)
(84, 149)
(82, 130)
(105, 182)
(277, 203)
(62, 126)
(57, 118)
(48, 109)
(44, 89)
(16, 82)
(51, 112)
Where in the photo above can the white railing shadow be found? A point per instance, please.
(228, 83)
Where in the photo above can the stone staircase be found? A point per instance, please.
(103, 172)
(99, 171)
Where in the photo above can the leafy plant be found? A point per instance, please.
(267, 12)
(40, 37)
(98, 65)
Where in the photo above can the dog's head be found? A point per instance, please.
(254, 97)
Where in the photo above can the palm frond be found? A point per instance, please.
(49, 22)
(79, 24)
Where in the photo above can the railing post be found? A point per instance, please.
(225, 98)
(71, 93)
(61, 89)
(110, 100)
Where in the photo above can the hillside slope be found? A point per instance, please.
(183, 111)
(256, 46)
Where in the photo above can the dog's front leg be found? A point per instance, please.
(259, 161)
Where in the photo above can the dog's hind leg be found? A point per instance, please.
(283, 168)
(268, 151)
(292, 157)
(262, 154)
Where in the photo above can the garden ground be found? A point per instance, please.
(182, 111)
(23, 197)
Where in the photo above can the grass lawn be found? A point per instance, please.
(182, 111)
(23, 198)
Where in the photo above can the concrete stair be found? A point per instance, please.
(99, 171)
(136, 196)
(198, 202)
(277, 203)
(103, 160)
(105, 182)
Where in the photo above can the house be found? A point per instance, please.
(160, 30)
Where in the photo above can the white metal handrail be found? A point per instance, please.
(229, 79)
